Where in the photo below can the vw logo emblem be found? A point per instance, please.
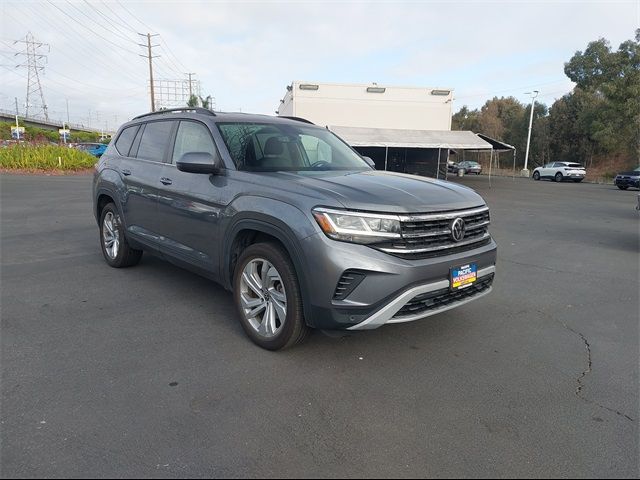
(457, 229)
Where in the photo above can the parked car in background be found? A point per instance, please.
(452, 166)
(470, 167)
(95, 149)
(625, 180)
(560, 171)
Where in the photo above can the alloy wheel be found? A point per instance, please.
(110, 235)
(263, 297)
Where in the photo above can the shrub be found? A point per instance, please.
(44, 157)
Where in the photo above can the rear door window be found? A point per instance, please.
(155, 140)
(125, 140)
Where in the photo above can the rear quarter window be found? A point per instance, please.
(125, 140)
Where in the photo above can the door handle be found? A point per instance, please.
(166, 181)
(126, 172)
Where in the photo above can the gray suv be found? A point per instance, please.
(292, 220)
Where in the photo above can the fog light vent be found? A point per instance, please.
(349, 280)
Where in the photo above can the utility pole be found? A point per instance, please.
(150, 57)
(33, 64)
(17, 125)
(190, 87)
(525, 171)
(68, 111)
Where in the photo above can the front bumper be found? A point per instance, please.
(388, 314)
(627, 182)
(389, 282)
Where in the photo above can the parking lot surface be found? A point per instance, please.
(147, 372)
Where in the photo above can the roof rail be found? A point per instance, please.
(205, 111)
(297, 119)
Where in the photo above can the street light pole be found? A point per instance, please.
(525, 172)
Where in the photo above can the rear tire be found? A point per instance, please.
(558, 177)
(265, 286)
(113, 242)
(623, 187)
(536, 176)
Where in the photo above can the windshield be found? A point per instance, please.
(267, 147)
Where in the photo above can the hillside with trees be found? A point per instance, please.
(597, 124)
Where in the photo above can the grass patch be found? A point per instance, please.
(44, 157)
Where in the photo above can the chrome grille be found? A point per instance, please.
(430, 234)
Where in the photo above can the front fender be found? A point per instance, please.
(290, 227)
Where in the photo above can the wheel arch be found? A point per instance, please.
(256, 228)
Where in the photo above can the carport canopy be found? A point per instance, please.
(390, 138)
(497, 145)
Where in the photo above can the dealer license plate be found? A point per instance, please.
(464, 276)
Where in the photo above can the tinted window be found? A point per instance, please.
(123, 144)
(279, 146)
(192, 137)
(317, 150)
(155, 140)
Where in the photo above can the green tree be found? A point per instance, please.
(206, 101)
(609, 85)
(193, 101)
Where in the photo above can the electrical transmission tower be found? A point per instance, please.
(34, 63)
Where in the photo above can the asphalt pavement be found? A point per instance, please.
(146, 372)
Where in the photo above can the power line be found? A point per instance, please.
(108, 19)
(117, 34)
(69, 32)
(133, 15)
(90, 30)
(106, 5)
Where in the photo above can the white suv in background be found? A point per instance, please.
(560, 171)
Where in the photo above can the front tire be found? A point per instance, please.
(115, 248)
(558, 177)
(536, 176)
(267, 297)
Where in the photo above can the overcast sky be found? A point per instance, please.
(245, 53)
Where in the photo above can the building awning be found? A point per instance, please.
(385, 137)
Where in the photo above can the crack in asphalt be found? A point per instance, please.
(579, 384)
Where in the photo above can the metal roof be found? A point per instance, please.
(385, 137)
(498, 145)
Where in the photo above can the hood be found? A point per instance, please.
(630, 174)
(386, 192)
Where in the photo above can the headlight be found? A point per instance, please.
(357, 227)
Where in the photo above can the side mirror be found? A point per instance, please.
(370, 162)
(198, 162)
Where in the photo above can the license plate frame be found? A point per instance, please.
(463, 276)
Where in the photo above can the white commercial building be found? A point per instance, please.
(369, 105)
(404, 129)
